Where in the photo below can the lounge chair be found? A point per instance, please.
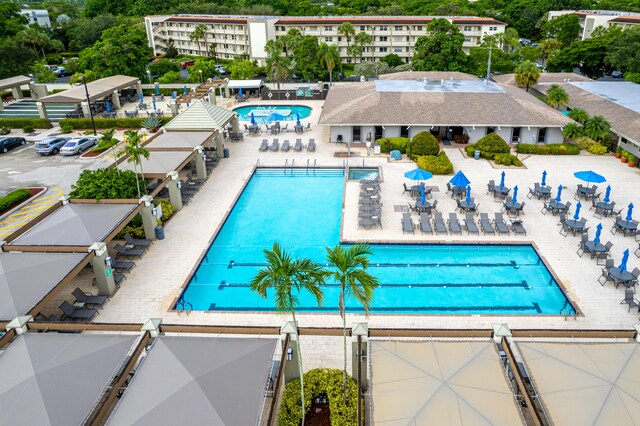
(630, 300)
(518, 228)
(70, 312)
(123, 251)
(438, 223)
(605, 272)
(311, 146)
(308, 127)
(298, 145)
(285, 146)
(470, 224)
(122, 265)
(264, 146)
(275, 145)
(118, 277)
(407, 223)
(454, 224)
(425, 225)
(485, 224)
(88, 298)
(500, 224)
(140, 242)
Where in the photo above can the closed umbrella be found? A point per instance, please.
(253, 119)
(107, 105)
(468, 193)
(459, 179)
(515, 194)
(576, 215)
(607, 194)
(185, 89)
(141, 98)
(559, 196)
(157, 89)
(543, 182)
(589, 176)
(630, 212)
(502, 179)
(240, 92)
(153, 103)
(423, 196)
(625, 258)
(297, 119)
(173, 94)
(418, 174)
(598, 231)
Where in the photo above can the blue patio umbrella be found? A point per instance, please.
(576, 215)
(253, 119)
(153, 103)
(598, 231)
(607, 194)
(515, 194)
(625, 258)
(559, 196)
(418, 174)
(275, 117)
(185, 89)
(502, 179)
(240, 91)
(423, 196)
(157, 89)
(630, 212)
(297, 119)
(459, 179)
(141, 98)
(187, 104)
(468, 193)
(589, 176)
(543, 182)
(173, 94)
(107, 105)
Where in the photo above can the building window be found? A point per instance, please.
(399, 28)
(313, 28)
(383, 49)
(328, 39)
(493, 28)
(398, 38)
(383, 38)
(283, 29)
(397, 49)
(418, 28)
(542, 133)
(467, 39)
(467, 28)
(383, 28)
(328, 28)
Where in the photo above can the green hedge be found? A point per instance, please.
(317, 382)
(19, 123)
(13, 198)
(436, 164)
(389, 144)
(493, 143)
(102, 146)
(423, 143)
(107, 123)
(550, 149)
(471, 149)
(591, 146)
(507, 160)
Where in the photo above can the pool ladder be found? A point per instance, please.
(568, 310)
(314, 165)
(187, 307)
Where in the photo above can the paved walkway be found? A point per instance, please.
(29, 211)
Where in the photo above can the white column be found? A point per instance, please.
(201, 167)
(175, 194)
(359, 329)
(291, 368)
(19, 324)
(42, 110)
(85, 109)
(101, 264)
(115, 99)
(235, 126)
(149, 221)
(16, 92)
(219, 145)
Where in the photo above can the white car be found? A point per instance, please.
(78, 145)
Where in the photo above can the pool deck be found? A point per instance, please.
(152, 287)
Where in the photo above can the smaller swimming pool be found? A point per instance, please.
(266, 113)
(363, 173)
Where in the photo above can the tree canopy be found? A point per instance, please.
(440, 49)
(564, 28)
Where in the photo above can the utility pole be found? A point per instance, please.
(489, 61)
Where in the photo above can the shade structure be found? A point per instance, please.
(179, 140)
(418, 174)
(459, 179)
(439, 383)
(107, 104)
(76, 225)
(157, 89)
(297, 118)
(56, 379)
(184, 89)
(25, 278)
(153, 104)
(423, 196)
(253, 119)
(97, 89)
(274, 117)
(468, 199)
(141, 98)
(598, 232)
(201, 115)
(543, 182)
(160, 163)
(196, 380)
(576, 215)
(586, 383)
(589, 176)
(607, 194)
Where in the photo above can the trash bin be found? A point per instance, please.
(160, 232)
(476, 155)
(226, 152)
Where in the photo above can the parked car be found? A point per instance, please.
(78, 145)
(220, 69)
(617, 74)
(50, 145)
(10, 142)
(188, 63)
(62, 72)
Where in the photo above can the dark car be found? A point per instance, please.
(61, 72)
(10, 142)
(50, 145)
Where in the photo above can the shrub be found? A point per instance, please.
(526, 148)
(105, 145)
(19, 123)
(66, 128)
(135, 227)
(317, 382)
(389, 144)
(591, 146)
(14, 197)
(28, 128)
(471, 149)
(461, 139)
(4, 131)
(88, 132)
(493, 143)
(436, 164)
(152, 123)
(550, 149)
(423, 143)
(106, 184)
(107, 123)
(507, 160)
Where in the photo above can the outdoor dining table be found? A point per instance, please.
(501, 191)
(510, 205)
(542, 192)
(299, 128)
(620, 277)
(254, 128)
(586, 192)
(467, 205)
(575, 225)
(423, 205)
(556, 206)
(607, 208)
(594, 248)
(627, 226)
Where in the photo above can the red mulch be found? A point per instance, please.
(318, 415)
(32, 192)
(89, 154)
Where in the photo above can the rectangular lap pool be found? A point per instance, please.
(302, 210)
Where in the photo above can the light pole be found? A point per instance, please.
(86, 91)
(149, 76)
(489, 61)
(200, 71)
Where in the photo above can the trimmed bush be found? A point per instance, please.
(135, 227)
(13, 198)
(19, 123)
(550, 149)
(389, 144)
(66, 129)
(320, 381)
(471, 149)
(463, 139)
(28, 128)
(507, 160)
(436, 164)
(102, 146)
(107, 123)
(423, 143)
(591, 146)
(4, 131)
(493, 143)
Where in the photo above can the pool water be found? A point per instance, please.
(363, 173)
(262, 112)
(301, 210)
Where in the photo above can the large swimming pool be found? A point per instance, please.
(263, 113)
(302, 210)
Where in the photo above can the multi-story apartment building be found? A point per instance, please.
(37, 16)
(236, 35)
(592, 19)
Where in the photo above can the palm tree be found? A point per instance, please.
(557, 97)
(527, 74)
(579, 115)
(199, 32)
(278, 67)
(290, 40)
(107, 138)
(509, 40)
(597, 128)
(287, 278)
(329, 57)
(362, 39)
(350, 271)
(135, 153)
(548, 47)
(572, 131)
(347, 30)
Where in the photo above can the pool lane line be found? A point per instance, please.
(510, 264)
(522, 284)
(397, 309)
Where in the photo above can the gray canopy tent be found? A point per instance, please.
(179, 140)
(198, 380)
(56, 379)
(25, 278)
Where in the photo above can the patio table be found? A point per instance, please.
(423, 205)
(627, 226)
(586, 192)
(556, 206)
(542, 192)
(575, 225)
(620, 277)
(299, 129)
(467, 206)
(459, 190)
(594, 248)
(501, 191)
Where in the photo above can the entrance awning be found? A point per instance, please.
(244, 84)
(97, 90)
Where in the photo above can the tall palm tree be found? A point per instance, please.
(509, 40)
(572, 131)
(578, 114)
(107, 138)
(290, 40)
(527, 74)
(548, 48)
(199, 32)
(288, 278)
(362, 39)
(278, 67)
(557, 97)
(349, 269)
(329, 57)
(347, 30)
(597, 128)
(135, 153)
